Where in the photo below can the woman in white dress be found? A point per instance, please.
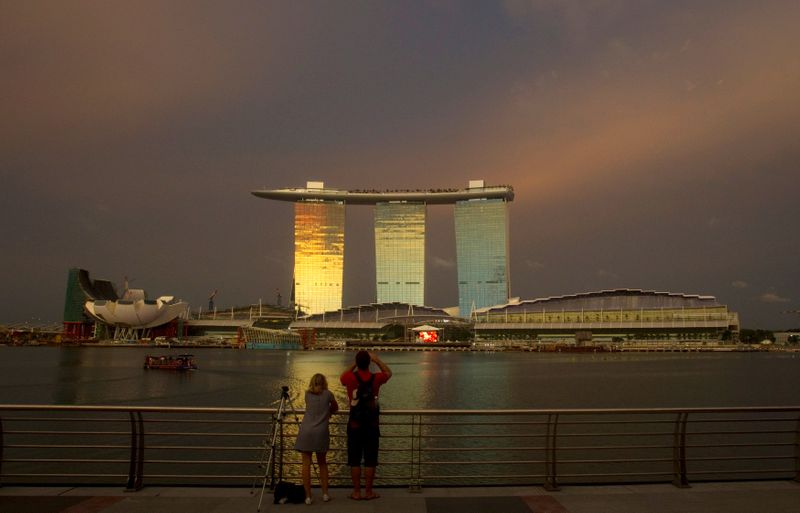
(314, 435)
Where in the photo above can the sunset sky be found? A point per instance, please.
(650, 144)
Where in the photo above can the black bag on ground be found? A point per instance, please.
(286, 492)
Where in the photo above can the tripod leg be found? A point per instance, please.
(266, 452)
(276, 424)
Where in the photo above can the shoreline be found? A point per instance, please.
(481, 346)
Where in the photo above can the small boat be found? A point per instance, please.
(182, 362)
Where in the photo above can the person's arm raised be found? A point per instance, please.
(381, 365)
(349, 369)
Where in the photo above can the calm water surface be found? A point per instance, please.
(252, 378)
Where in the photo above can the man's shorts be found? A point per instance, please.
(362, 443)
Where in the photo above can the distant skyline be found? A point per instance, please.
(650, 144)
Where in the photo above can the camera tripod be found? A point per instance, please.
(267, 461)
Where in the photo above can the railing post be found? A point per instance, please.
(140, 456)
(2, 444)
(679, 452)
(416, 454)
(796, 449)
(136, 465)
(551, 479)
(130, 487)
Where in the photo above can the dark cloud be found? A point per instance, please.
(651, 144)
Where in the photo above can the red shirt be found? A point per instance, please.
(349, 380)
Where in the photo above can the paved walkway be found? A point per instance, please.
(743, 497)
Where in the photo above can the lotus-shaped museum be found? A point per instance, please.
(136, 313)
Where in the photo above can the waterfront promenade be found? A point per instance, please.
(737, 497)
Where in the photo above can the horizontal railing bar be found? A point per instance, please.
(739, 458)
(765, 444)
(60, 460)
(481, 462)
(749, 419)
(208, 448)
(615, 434)
(119, 420)
(560, 435)
(64, 446)
(429, 436)
(104, 433)
(612, 447)
(198, 433)
(565, 411)
(389, 423)
(164, 409)
(62, 475)
(250, 476)
(489, 424)
(206, 421)
(482, 436)
(201, 462)
(618, 460)
(201, 476)
(124, 420)
(474, 449)
(484, 476)
(560, 462)
(344, 463)
(617, 474)
(744, 471)
(770, 432)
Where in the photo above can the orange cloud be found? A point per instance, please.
(560, 133)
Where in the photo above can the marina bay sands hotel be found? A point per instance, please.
(481, 228)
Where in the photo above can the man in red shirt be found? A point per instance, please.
(363, 430)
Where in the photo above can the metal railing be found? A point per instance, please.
(134, 446)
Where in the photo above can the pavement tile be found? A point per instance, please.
(93, 505)
(544, 504)
(166, 505)
(211, 492)
(36, 504)
(31, 491)
(107, 491)
(476, 504)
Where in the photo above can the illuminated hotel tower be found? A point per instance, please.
(318, 255)
(481, 253)
(400, 252)
(481, 243)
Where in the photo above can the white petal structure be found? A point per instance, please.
(139, 313)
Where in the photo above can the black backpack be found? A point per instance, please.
(365, 412)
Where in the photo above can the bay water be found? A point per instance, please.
(422, 380)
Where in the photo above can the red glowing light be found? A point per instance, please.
(429, 336)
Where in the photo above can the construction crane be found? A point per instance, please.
(211, 300)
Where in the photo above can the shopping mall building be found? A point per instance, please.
(606, 316)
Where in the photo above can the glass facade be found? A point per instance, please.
(400, 252)
(482, 253)
(318, 255)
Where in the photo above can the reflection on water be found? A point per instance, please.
(48, 375)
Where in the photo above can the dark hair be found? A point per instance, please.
(362, 360)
